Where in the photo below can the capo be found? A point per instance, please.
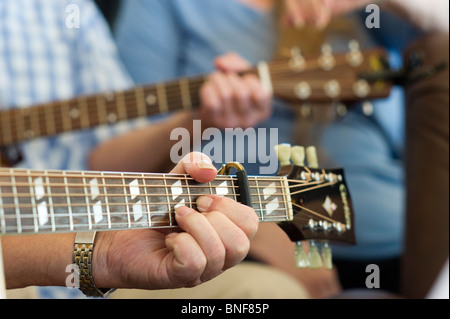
(242, 178)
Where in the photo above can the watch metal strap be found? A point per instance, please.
(82, 257)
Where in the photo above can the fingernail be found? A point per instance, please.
(205, 164)
(182, 210)
(204, 203)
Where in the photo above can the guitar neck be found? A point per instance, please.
(34, 202)
(85, 112)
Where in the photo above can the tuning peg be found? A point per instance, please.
(301, 259)
(327, 255)
(332, 89)
(298, 155)
(314, 258)
(284, 154)
(311, 157)
(354, 57)
(297, 62)
(367, 108)
(303, 90)
(326, 60)
(361, 88)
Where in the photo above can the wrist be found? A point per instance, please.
(39, 260)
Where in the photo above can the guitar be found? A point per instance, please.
(308, 203)
(325, 79)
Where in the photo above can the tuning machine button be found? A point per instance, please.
(327, 60)
(301, 258)
(314, 258)
(303, 90)
(355, 57)
(297, 62)
(327, 255)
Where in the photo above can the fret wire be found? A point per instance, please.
(162, 98)
(88, 204)
(7, 137)
(234, 192)
(210, 188)
(107, 205)
(259, 197)
(140, 100)
(102, 112)
(121, 106)
(84, 113)
(287, 199)
(35, 125)
(147, 203)
(65, 111)
(189, 194)
(50, 201)
(20, 123)
(16, 202)
(127, 205)
(185, 94)
(34, 208)
(50, 120)
(168, 200)
(69, 202)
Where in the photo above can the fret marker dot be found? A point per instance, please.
(74, 113)
(111, 118)
(151, 99)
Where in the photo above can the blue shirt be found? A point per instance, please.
(43, 59)
(163, 39)
(371, 151)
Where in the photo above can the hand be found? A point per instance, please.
(230, 100)
(207, 243)
(318, 12)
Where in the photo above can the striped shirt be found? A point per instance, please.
(55, 50)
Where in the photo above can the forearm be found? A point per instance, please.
(142, 150)
(37, 260)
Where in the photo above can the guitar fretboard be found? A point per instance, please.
(85, 112)
(63, 201)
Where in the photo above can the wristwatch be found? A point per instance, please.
(82, 257)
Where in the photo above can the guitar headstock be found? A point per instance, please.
(321, 204)
(328, 77)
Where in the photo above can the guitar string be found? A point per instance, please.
(127, 214)
(126, 203)
(92, 106)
